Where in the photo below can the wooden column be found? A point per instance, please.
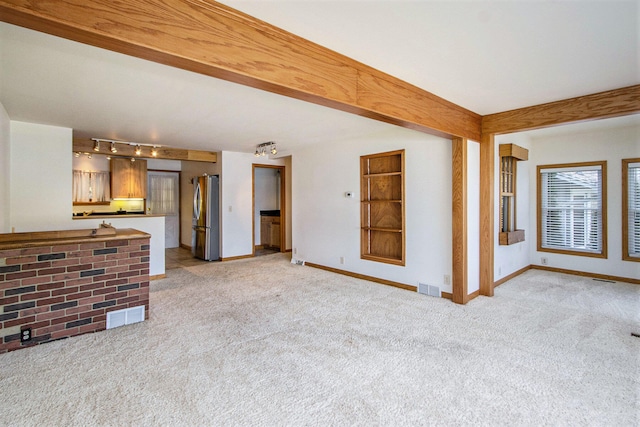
(459, 269)
(487, 168)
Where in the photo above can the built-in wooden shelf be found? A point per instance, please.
(382, 208)
(510, 155)
(511, 237)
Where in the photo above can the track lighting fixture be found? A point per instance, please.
(265, 148)
(114, 146)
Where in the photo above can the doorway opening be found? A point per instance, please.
(269, 209)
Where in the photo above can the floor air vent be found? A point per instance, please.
(604, 280)
(432, 291)
(125, 316)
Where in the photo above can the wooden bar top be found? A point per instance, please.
(48, 238)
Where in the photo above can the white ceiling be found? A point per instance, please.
(487, 56)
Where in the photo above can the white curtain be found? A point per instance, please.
(91, 186)
(162, 194)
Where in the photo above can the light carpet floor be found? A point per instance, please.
(262, 342)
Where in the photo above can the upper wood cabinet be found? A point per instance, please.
(382, 207)
(128, 179)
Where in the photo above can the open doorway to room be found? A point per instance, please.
(269, 210)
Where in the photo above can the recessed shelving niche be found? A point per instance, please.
(382, 207)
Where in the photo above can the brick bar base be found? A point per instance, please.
(67, 289)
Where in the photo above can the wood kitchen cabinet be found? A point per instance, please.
(128, 179)
(270, 231)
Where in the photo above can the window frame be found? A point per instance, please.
(626, 256)
(603, 192)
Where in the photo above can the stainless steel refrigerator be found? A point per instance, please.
(205, 237)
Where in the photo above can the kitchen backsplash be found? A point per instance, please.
(114, 206)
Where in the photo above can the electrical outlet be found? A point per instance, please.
(447, 279)
(295, 251)
(25, 335)
(499, 271)
(341, 260)
(544, 261)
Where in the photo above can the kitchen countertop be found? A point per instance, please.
(48, 238)
(118, 216)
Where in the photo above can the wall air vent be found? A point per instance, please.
(432, 291)
(125, 316)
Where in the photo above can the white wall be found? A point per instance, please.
(237, 202)
(41, 177)
(612, 145)
(5, 170)
(267, 197)
(511, 258)
(326, 224)
(164, 165)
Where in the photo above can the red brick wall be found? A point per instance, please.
(65, 290)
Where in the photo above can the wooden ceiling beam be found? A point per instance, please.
(602, 105)
(126, 150)
(210, 38)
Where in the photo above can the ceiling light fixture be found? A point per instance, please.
(265, 148)
(88, 156)
(114, 149)
(76, 154)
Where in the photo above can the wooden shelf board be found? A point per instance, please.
(373, 175)
(390, 230)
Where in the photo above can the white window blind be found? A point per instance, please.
(633, 187)
(571, 208)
